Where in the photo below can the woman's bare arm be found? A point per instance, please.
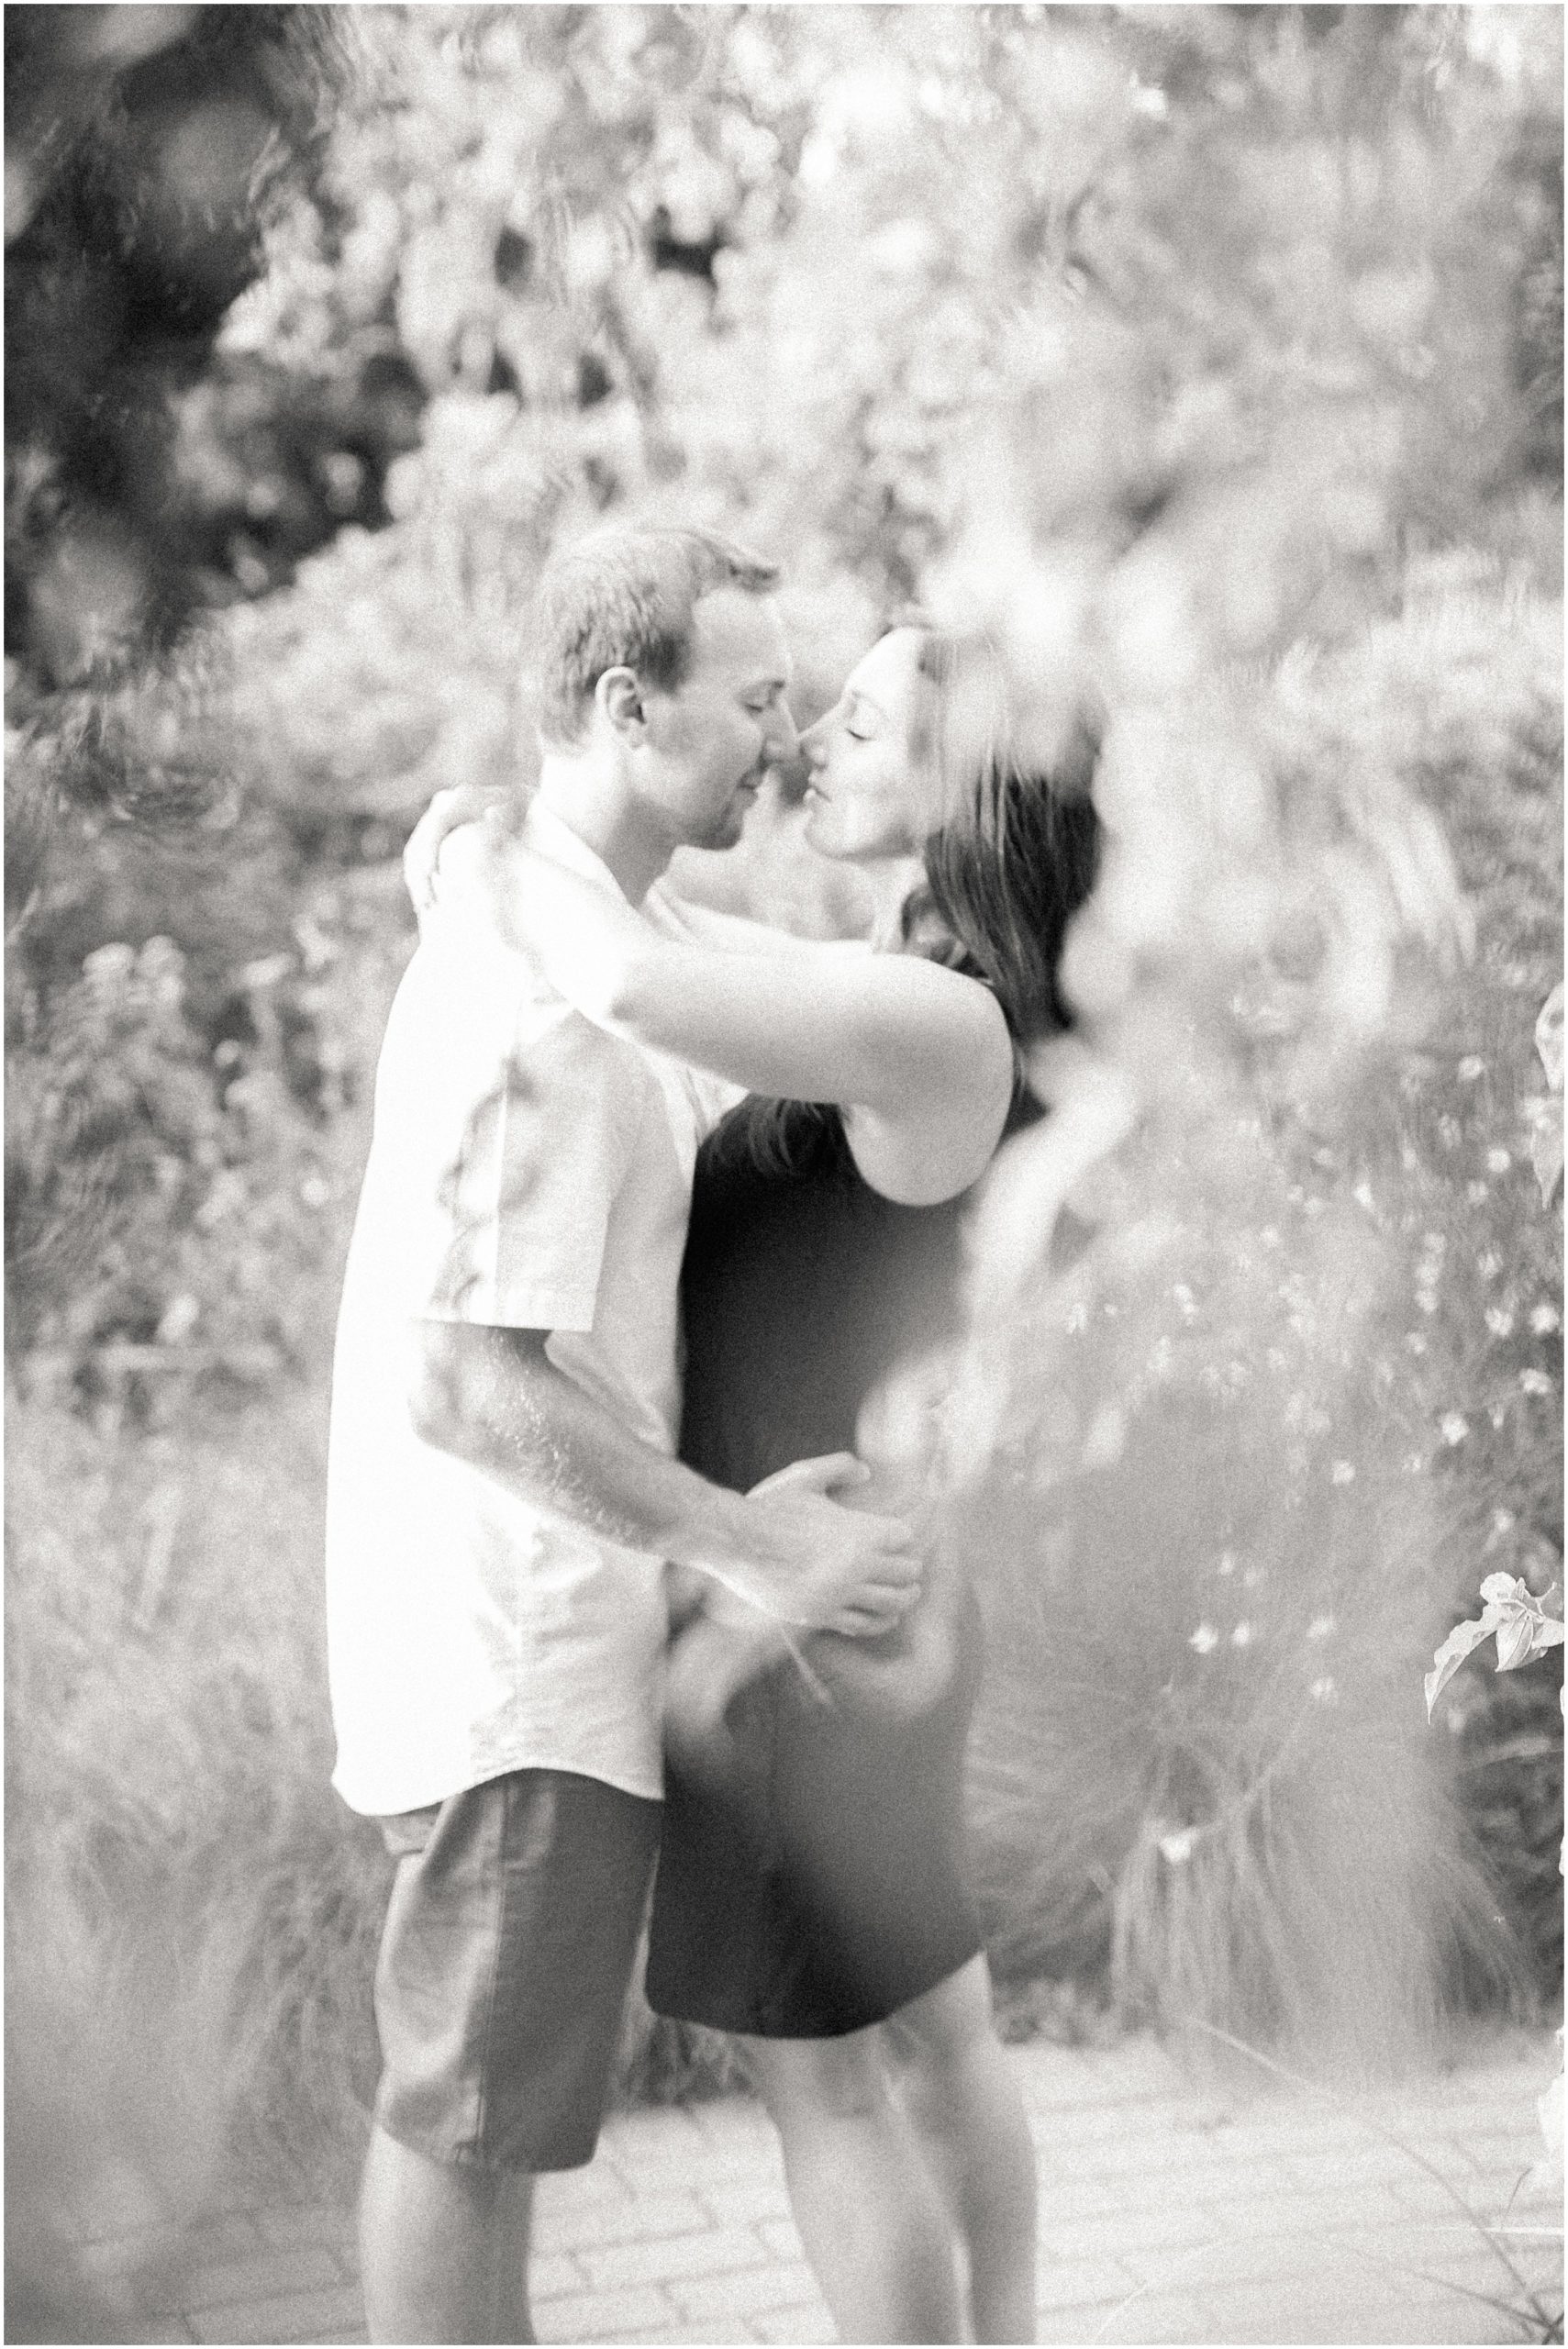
(918, 1057)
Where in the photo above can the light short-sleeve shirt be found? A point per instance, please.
(529, 1172)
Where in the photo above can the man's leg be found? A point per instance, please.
(508, 1945)
(444, 2248)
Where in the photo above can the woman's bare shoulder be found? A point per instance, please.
(944, 1140)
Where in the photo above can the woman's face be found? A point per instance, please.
(866, 798)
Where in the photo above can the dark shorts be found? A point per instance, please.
(504, 1960)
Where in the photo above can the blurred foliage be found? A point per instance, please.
(142, 147)
(192, 1912)
(1212, 358)
(1306, 1378)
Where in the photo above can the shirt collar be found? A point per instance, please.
(553, 837)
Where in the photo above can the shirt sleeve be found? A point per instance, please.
(522, 1205)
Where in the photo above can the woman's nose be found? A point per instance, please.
(811, 744)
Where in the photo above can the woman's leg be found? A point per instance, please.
(964, 2100)
(872, 2222)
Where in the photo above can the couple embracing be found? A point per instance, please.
(597, 1595)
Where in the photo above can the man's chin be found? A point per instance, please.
(727, 832)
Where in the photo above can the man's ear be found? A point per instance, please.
(618, 698)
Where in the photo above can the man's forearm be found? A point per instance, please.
(492, 1399)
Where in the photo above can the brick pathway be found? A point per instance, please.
(1167, 2216)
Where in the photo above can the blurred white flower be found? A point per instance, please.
(1343, 1471)
(1241, 1637)
(1227, 1564)
(1543, 1319)
(1497, 1414)
(1178, 1846)
(1455, 1426)
(1205, 1639)
(109, 966)
(1470, 1068)
(1535, 1382)
(1503, 1521)
(179, 1318)
(1476, 1192)
(1498, 1161)
(1489, 1265)
(1416, 1340)
(1321, 1627)
(1499, 1322)
(1363, 1197)
(1107, 1436)
(1323, 1691)
(1077, 1319)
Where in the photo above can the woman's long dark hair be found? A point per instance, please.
(1015, 855)
(1018, 851)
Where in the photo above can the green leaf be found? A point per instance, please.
(1516, 1642)
(1460, 1642)
(1546, 1150)
(1549, 1037)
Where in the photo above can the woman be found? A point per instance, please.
(810, 1895)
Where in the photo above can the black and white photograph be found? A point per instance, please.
(783, 1170)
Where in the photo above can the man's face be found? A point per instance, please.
(710, 741)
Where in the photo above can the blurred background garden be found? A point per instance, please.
(1215, 350)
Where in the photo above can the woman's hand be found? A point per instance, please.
(465, 803)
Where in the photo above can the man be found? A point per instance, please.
(502, 1489)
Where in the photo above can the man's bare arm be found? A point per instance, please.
(491, 1397)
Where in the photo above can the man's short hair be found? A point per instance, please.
(624, 599)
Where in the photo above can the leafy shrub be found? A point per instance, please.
(173, 1838)
(1248, 1448)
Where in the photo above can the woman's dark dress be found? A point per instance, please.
(810, 1883)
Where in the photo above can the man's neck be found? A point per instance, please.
(587, 795)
